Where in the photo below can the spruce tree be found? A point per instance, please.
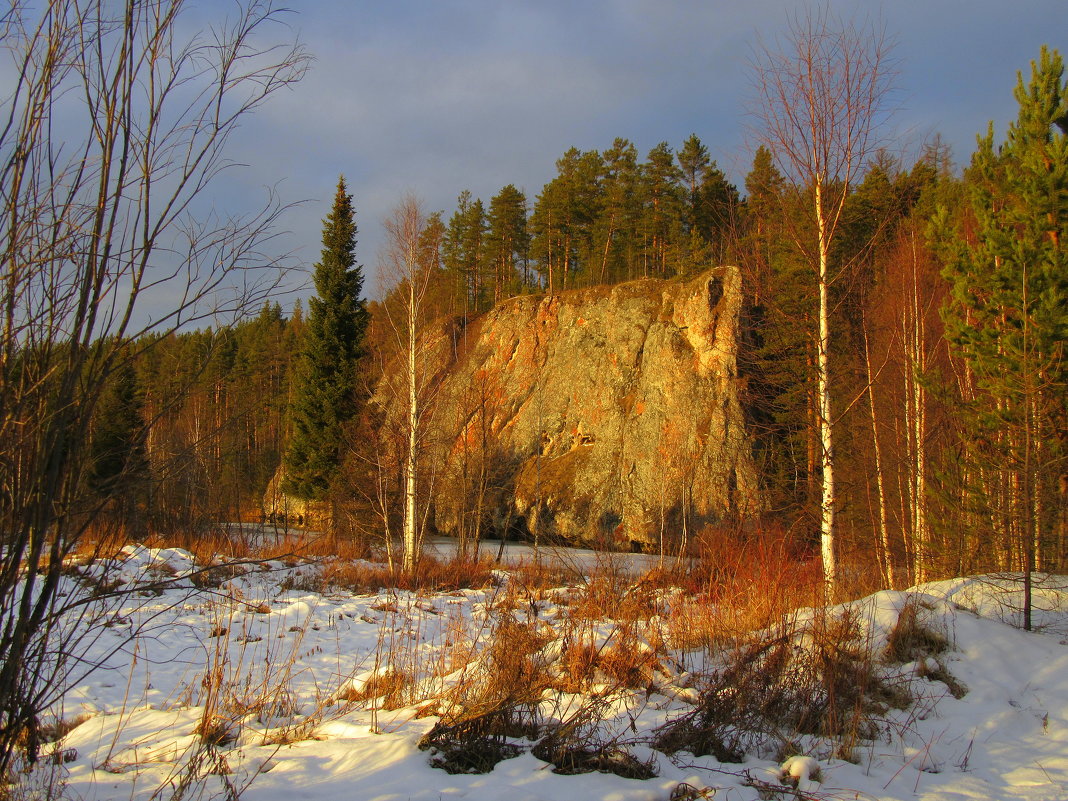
(325, 391)
(777, 349)
(118, 469)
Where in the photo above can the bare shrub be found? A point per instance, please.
(817, 678)
(498, 698)
(602, 758)
(578, 744)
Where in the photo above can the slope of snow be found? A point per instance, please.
(287, 654)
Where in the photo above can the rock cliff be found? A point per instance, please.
(609, 414)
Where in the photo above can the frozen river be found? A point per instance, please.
(581, 560)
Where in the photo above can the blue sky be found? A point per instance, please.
(436, 97)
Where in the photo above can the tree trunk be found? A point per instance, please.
(823, 394)
(413, 419)
(889, 573)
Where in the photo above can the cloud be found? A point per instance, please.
(434, 98)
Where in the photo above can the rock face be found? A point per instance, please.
(603, 415)
(289, 511)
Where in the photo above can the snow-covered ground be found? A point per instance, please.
(275, 663)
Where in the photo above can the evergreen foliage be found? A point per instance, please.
(463, 255)
(507, 241)
(325, 394)
(118, 466)
(1007, 316)
(777, 349)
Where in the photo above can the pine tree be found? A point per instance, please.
(562, 223)
(1008, 316)
(463, 254)
(621, 213)
(715, 209)
(325, 395)
(507, 241)
(693, 160)
(664, 211)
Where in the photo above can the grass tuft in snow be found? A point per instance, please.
(910, 639)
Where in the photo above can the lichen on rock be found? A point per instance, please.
(606, 415)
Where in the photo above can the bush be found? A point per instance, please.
(818, 678)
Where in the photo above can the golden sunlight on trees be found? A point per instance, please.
(820, 101)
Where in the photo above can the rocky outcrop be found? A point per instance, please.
(609, 414)
(280, 509)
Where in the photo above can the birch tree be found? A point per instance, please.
(819, 106)
(403, 268)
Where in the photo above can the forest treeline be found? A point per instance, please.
(950, 431)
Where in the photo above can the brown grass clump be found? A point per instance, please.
(537, 577)
(345, 549)
(627, 665)
(692, 624)
(623, 661)
(217, 731)
(393, 686)
(497, 701)
(56, 730)
(431, 575)
(910, 640)
(938, 672)
(100, 540)
(754, 578)
(442, 575)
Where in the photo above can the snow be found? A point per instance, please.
(802, 772)
(287, 656)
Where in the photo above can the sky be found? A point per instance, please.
(438, 96)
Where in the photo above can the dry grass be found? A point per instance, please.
(818, 677)
(392, 687)
(496, 682)
(497, 697)
(362, 577)
(54, 731)
(910, 639)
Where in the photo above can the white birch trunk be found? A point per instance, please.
(823, 391)
(888, 570)
(917, 362)
(410, 538)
